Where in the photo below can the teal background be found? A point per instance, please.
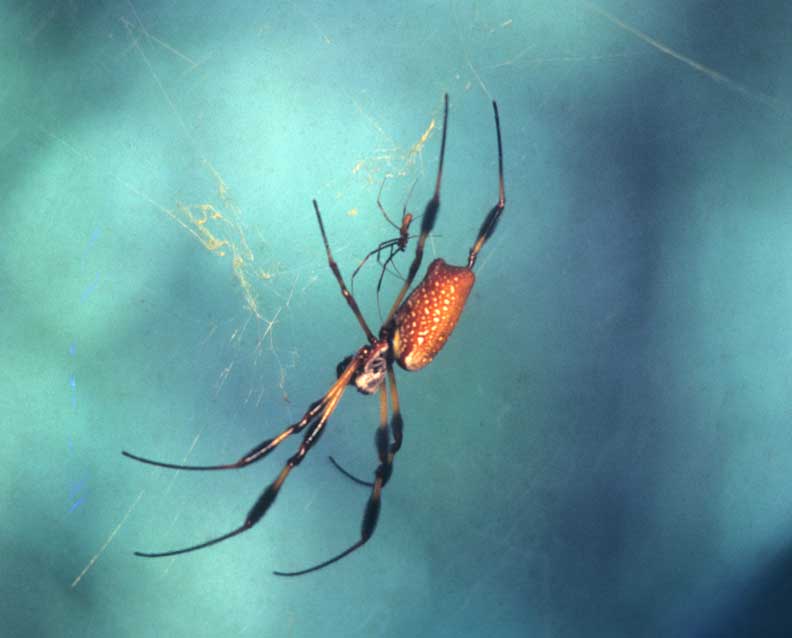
(604, 447)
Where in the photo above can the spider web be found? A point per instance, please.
(263, 288)
(196, 314)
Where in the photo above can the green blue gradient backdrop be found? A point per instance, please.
(603, 449)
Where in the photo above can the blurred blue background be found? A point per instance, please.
(604, 447)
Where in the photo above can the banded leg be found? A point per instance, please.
(491, 220)
(397, 422)
(427, 221)
(337, 273)
(265, 447)
(257, 453)
(267, 497)
(386, 451)
(396, 428)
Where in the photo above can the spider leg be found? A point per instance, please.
(386, 453)
(389, 263)
(397, 422)
(257, 453)
(349, 474)
(394, 246)
(393, 252)
(395, 249)
(382, 208)
(263, 502)
(397, 428)
(491, 220)
(344, 290)
(386, 244)
(407, 199)
(267, 497)
(427, 220)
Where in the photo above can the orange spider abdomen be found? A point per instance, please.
(427, 318)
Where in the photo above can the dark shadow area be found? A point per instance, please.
(761, 607)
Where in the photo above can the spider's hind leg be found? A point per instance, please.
(349, 474)
(386, 451)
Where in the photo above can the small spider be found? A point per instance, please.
(394, 246)
(414, 331)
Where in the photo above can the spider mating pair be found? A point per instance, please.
(413, 332)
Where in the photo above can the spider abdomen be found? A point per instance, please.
(428, 316)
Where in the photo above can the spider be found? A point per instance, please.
(414, 331)
(394, 246)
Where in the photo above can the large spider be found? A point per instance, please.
(414, 331)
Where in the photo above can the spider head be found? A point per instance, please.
(371, 369)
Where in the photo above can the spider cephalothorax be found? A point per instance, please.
(414, 331)
(371, 369)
